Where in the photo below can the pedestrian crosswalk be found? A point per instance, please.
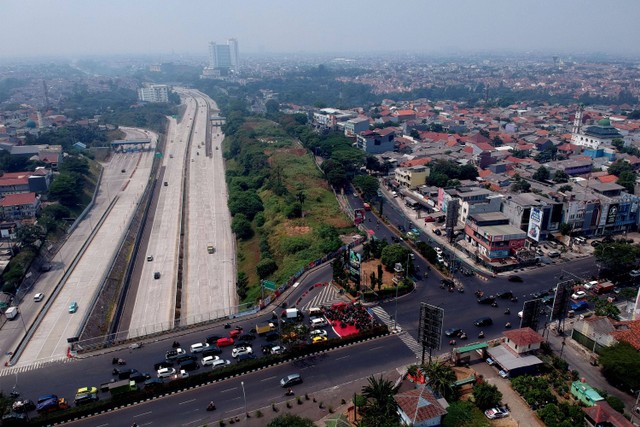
(405, 337)
(31, 366)
(326, 296)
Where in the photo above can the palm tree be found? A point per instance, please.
(379, 394)
(441, 379)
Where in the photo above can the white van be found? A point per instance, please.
(318, 322)
(315, 312)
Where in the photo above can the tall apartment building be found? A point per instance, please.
(224, 56)
(154, 93)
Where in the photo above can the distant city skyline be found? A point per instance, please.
(34, 28)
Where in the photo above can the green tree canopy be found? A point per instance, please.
(367, 185)
(381, 408)
(606, 308)
(393, 254)
(242, 227)
(247, 203)
(486, 395)
(628, 180)
(64, 189)
(620, 166)
(560, 177)
(441, 379)
(621, 365)
(542, 174)
(520, 185)
(617, 255)
(265, 267)
(290, 420)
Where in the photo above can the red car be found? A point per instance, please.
(224, 342)
(429, 219)
(235, 332)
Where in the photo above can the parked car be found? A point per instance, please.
(156, 275)
(579, 295)
(516, 279)
(211, 350)
(208, 360)
(505, 294)
(495, 413)
(243, 357)
(553, 254)
(318, 332)
(212, 339)
(149, 257)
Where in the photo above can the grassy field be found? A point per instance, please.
(293, 242)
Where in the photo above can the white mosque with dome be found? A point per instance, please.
(595, 135)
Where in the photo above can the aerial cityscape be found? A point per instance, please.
(279, 214)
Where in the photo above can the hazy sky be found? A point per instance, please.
(77, 27)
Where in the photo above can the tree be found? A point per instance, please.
(619, 166)
(564, 188)
(367, 185)
(486, 395)
(56, 211)
(542, 174)
(441, 379)
(616, 403)
(565, 228)
(290, 420)
(393, 254)
(606, 308)
(242, 227)
(560, 177)
(381, 408)
(617, 255)
(242, 284)
(520, 185)
(265, 267)
(28, 234)
(463, 414)
(245, 202)
(621, 365)
(65, 189)
(628, 180)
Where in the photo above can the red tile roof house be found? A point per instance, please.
(19, 206)
(419, 408)
(602, 414)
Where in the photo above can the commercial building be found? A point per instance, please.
(377, 141)
(516, 355)
(154, 93)
(19, 206)
(224, 57)
(412, 177)
(492, 237)
(353, 127)
(533, 213)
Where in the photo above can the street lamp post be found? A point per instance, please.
(244, 396)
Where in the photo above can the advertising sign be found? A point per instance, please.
(430, 326)
(612, 213)
(535, 222)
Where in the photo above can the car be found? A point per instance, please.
(520, 313)
(579, 295)
(483, 321)
(553, 254)
(591, 284)
(243, 357)
(429, 219)
(272, 336)
(487, 300)
(516, 279)
(166, 184)
(318, 339)
(125, 374)
(278, 349)
(596, 243)
(453, 332)
(153, 383)
(172, 354)
(247, 337)
(503, 373)
(212, 339)
(318, 332)
(189, 365)
(182, 374)
(197, 347)
(184, 357)
(211, 350)
(438, 250)
(14, 418)
(219, 363)
(440, 259)
(225, 342)
(210, 249)
(38, 297)
(165, 372)
(45, 267)
(23, 405)
(149, 257)
(394, 193)
(291, 379)
(123, 170)
(495, 413)
(437, 232)
(578, 306)
(490, 361)
(505, 294)
(73, 307)
(156, 275)
(540, 294)
(235, 333)
(241, 350)
(139, 376)
(208, 360)
(163, 364)
(89, 389)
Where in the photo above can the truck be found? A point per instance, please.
(264, 329)
(292, 314)
(603, 288)
(124, 386)
(11, 313)
(52, 405)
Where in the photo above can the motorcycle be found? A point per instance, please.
(507, 311)
(227, 325)
(494, 304)
(175, 344)
(514, 299)
(481, 334)
(463, 336)
(118, 361)
(211, 407)
(507, 325)
(289, 393)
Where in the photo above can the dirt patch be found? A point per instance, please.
(297, 230)
(367, 267)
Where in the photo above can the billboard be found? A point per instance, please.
(561, 300)
(430, 326)
(530, 314)
(354, 265)
(636, 309)
(535, 223)
(612, 213)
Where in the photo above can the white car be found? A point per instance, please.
(241, 350)
(38, 297)
(579, 295)
(438, 250)
(320, 332)
(209, 360)
(279, 349)
(520, 314)
(503, 374)
(197, 347)
(181, 375)
(495, 413)
(220, 362)
(166, 372)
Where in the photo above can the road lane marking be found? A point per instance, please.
(142, 414)
(229, 389)
(187, 401)
(193, 422)
(375, 348)
(268, 379)
(343, 357)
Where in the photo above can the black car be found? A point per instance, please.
(437, 232)
(246, 337)
(453, 332)
(211, 350)
(505, 294)
(244, 357)
(516, 279)
(272, 336)
(139, 377)
(487, 300)
(153, 383)
(124, 374)
(184, 357)
(541, 294)
(189, 365)
(163, 364)
(448, 283)
(483, 321)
